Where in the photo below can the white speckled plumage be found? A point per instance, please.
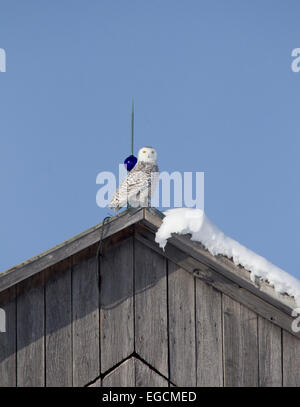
(140, 183)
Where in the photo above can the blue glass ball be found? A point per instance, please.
(130, 162)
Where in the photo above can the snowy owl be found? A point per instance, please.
(139, 184)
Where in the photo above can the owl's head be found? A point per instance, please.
(147, 155)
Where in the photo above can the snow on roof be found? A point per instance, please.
(195, 222)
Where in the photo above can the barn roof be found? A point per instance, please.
(141, 316)
(217, 271)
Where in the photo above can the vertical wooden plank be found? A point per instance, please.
(181, 326)
(85, 315)
(291, 360)
(151, 307)
(58, 326)
(146, 377)
(133, 373)
(122, 376)
(240, 344)
(209, 335)
(8, 339)
(269, 345)
(30, 332)
(97, 383)
(117, 319)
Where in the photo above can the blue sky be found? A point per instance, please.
(214, 92)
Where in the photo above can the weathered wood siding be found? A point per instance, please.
(117, 312)
(145, 320)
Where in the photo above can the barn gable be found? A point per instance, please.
(178, 317)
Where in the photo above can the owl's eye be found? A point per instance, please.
(144, 152)
(152, 152)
